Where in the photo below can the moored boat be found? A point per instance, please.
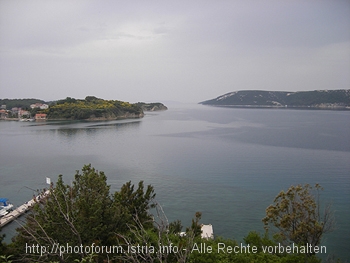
(5, 207)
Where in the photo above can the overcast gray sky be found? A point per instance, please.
(185, 51)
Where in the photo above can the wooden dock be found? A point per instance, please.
(22, 209)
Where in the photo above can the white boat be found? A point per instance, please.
(24, 119)
(5, 207)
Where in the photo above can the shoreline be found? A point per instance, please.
(339, 108)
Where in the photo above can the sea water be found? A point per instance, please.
(227, 163)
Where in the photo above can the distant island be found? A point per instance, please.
(90, 108)
(151, 106)
(321, 99)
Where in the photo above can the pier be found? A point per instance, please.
(22, 209)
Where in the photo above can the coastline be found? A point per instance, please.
(340, 108)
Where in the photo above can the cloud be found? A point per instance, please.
(179, 50)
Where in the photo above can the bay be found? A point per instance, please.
(227, 163)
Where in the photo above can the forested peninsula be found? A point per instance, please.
(321, 99)
(151, 106)
(92, 108)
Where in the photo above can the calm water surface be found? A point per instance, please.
(227, 163)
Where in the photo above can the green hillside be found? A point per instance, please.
(157, 106)
(92, 108)
(258, 98)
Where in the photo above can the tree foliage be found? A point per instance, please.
(297, 215)
(2, 245)
(83, 213)
(196, 226)
(134, 204)
(90, 108)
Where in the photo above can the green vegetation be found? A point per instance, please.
(85, 213)
(92, 108)
(259, 98)
(151, 106)
(2, 245)
(297, 216)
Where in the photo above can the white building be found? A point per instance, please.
(207, 231)
(42, 106)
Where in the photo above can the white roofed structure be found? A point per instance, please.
(207, 231)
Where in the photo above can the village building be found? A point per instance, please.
(23, 113)
(15, 110)
(41, 106)
(3, 114)
(40, 116)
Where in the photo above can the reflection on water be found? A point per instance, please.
(118, 124)
(91, 130)
(71, 129)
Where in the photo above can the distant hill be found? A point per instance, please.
(19, 103)
(300, 99)
(92, 108)
(151, 106)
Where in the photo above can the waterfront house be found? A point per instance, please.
(40, 116)
(3, 114)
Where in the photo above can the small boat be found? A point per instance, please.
(25, 119)
(5, 207)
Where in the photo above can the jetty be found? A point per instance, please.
(207, 231)
(23, 208)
